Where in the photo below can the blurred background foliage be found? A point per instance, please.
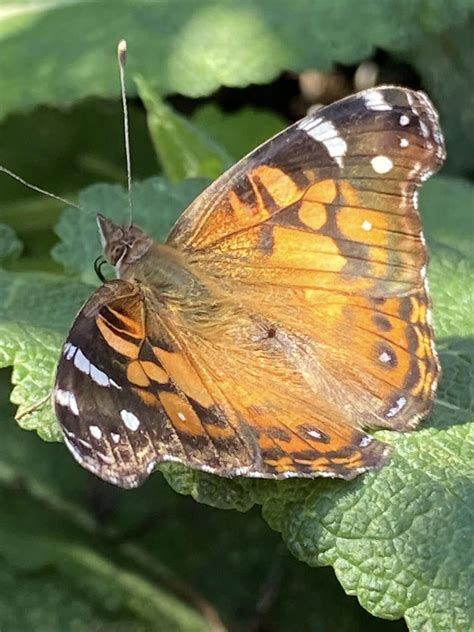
(207, 82)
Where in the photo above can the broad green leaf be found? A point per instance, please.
(396, 538)
(183, 150)
(241, 131)
(10, 245)
(194, 47)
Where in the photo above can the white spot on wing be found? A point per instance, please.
(374, 100)
(399, 404)
(404, 120)
(182, 416)
(130, 420)
(385, 357)
(67, 399)
(115, 437)
(99, 376)
(96, 432)
(424, 129)
(314, 433)
(381, 164)
(365, 441)
(81, 362)
(326, 133)
(85, 366)
(366, 225)
(403, 142)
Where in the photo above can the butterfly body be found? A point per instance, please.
(286, 313)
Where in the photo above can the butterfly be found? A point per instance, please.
(286, 313)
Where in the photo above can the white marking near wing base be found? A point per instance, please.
(81, 362)
(115, 437)
(404, 142)
(99, 376)
(381, 164)
(130, 420)
(85, 366)
(366, 225)
(182, 416)
(326, 133)
(375, 101)
(67, 399)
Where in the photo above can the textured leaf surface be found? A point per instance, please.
(195, 47)
(399, 539)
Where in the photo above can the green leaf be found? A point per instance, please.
(183, 150)
(241, 131)
(194, 47)
(10, 245)
(396, 538)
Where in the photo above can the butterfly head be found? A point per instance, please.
(123, 245)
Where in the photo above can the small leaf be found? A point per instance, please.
(183, 150)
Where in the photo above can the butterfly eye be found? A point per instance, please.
(116, 253)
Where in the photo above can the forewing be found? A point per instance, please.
(330, 203)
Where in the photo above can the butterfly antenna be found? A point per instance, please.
(39, 190)
(122, 57)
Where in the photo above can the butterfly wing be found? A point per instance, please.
(131, 392)
(318, 231)
(119, 408)
(318, 320)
